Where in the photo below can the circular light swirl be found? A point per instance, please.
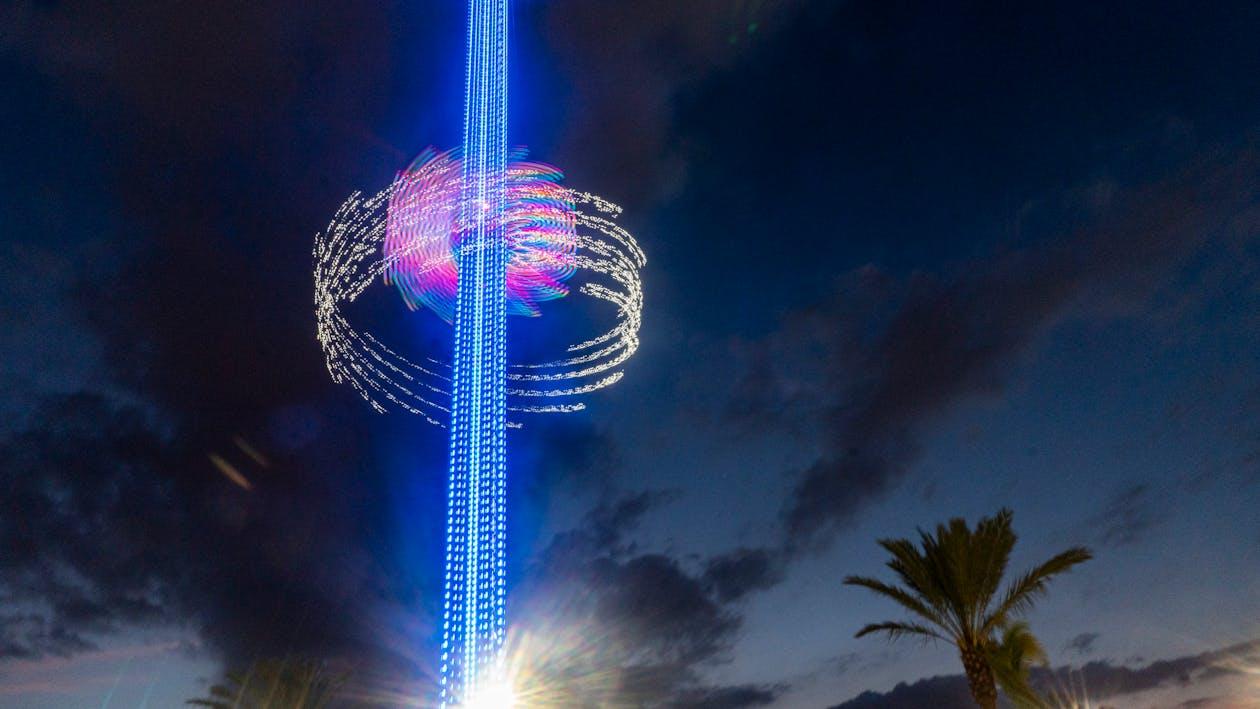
(408, 235)
(424, 232)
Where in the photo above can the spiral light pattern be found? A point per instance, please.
(352, 253)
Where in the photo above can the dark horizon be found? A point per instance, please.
(906, 262)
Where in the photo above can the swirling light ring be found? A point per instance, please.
(425, 232)
(403, 235)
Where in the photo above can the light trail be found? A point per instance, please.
(475, 235)
(350, 257)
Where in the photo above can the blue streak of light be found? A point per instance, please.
(473, 625)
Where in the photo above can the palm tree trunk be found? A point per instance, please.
(980, 678)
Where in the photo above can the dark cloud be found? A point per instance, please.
(1103, 679)
(736, 574)
(210, 133)
(113, 523)
(615, 627)
(843, 663)
(625, 63)
(944, 692)
(940, 339)
(608, 523)
(1099, 680)
(33, 635)
(1082, 644)
(727, 697)
(207, 77)
(662, 609)
(570, 454)
(1126, 516)
(82, 503)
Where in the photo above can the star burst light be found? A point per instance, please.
(497, 695)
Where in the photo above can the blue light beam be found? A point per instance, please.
(473, 624)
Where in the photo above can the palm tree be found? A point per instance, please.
(1011, 658)
(275, 684)
(950, 584)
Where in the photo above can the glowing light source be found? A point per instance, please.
(474, 235)
(497, 695)
(473, 624)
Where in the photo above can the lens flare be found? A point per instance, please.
(497, 695)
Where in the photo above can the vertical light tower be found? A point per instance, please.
(473, 627)
(455, 235)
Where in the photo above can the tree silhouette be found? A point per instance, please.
(950, 583)
(275, 684)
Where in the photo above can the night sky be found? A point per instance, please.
(907, 262)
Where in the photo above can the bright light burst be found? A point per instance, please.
(475, 235)
(498, 695)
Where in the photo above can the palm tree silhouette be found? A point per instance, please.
(275, 684)
(950, 582)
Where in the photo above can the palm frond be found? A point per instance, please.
(1011, 659)
(909, 565)
(990, 553)
(896, 630)
(906, 599)
(919, 572)
(1021, 594)
(946, 554)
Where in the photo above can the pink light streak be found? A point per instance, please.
(423, 234)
